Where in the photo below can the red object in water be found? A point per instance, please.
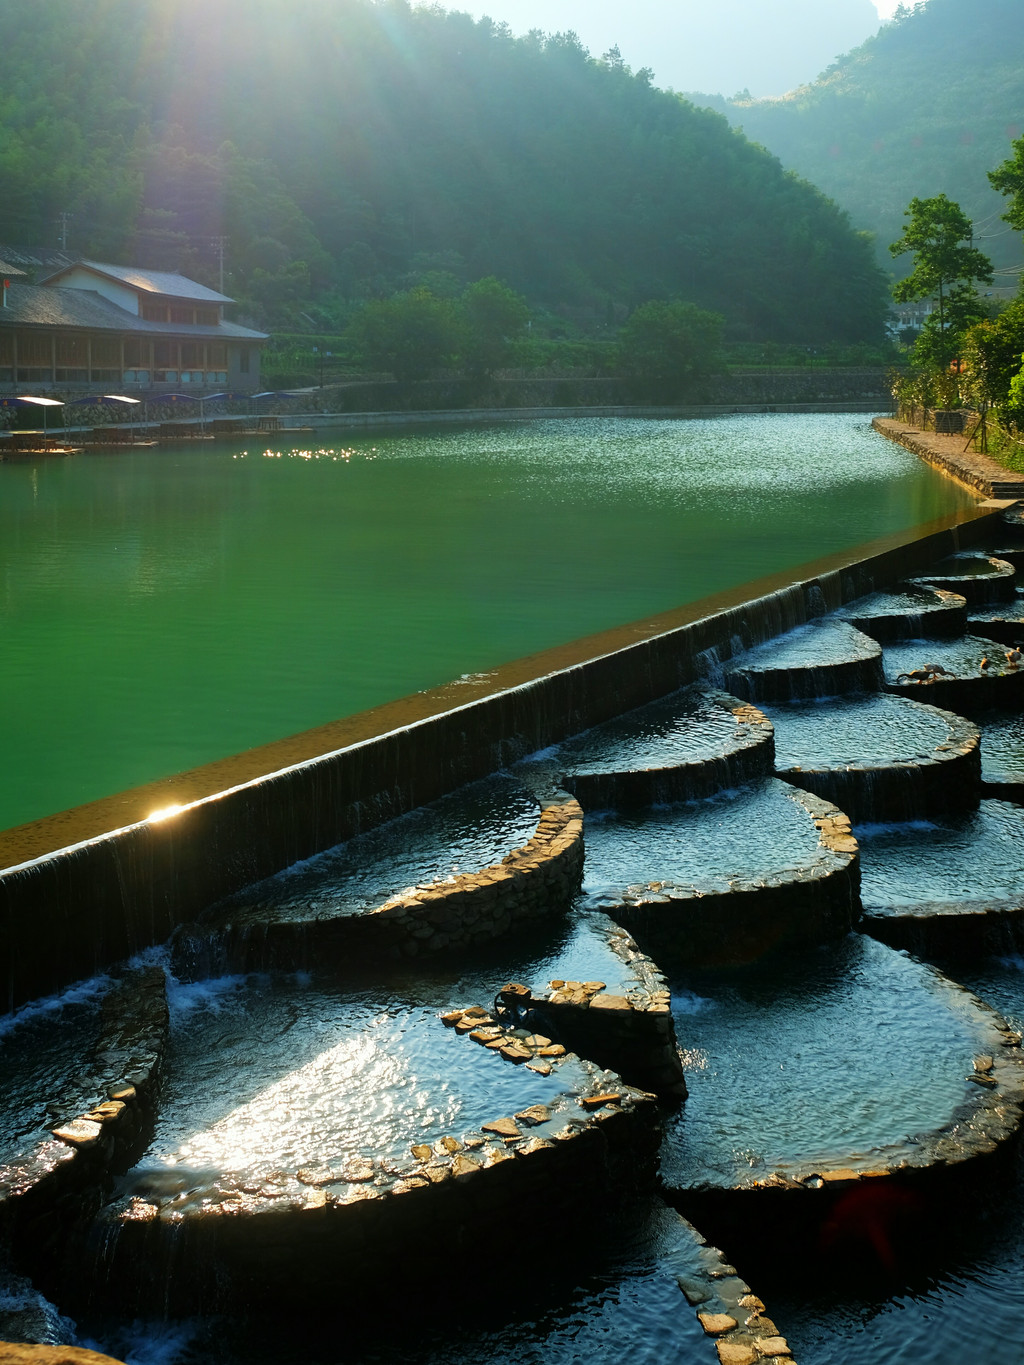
(867, 1217)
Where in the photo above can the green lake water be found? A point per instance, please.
(164, 608)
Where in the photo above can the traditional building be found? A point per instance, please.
(109, 325)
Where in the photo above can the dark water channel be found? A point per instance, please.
(819, 1057)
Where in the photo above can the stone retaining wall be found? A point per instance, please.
(949, 932)
(631, 1031)
(979, 590)
(678, 924)
(988, 691)
(947, 453)
(338, 1235)
(532, 882)
(947, 781)
(761, 680)
(51, 1186)
(750, 755)
(946, 619)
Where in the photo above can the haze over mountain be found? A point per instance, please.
(723, 46)
(926, 107)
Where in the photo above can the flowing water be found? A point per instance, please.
(864, 1052)
(470, 829)
(47, 1066)
(864, 731)
(685, 727)
(962, 658)
(1002, 746)
(745, 834)
(836, 1053)
(165, 608)
(970, 858)
(966, 1307)
(269, 1075)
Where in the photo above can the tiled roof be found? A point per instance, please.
(34, 256)
(9, 271)
(36, 305)
(163, 282)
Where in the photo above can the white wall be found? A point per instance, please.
(80, 278)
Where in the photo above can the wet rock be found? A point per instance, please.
(79, 1133)
(316, 1175)
(736, 1353)
(537, 1040)
(464, 1166)
(717, 1324)
(771, 1348)
(536, 1114)
(757, 1322)
(617, 1003)
(696, 1291)
(451, 1144)
(357, 1171)
(541, 1068)
(505, 1128)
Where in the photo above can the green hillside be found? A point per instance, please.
(348, 149)
(924, 108)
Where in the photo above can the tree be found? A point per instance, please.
(1008, 179)
(944, 268)
(664, 343)
(409, 334)
(493, 318)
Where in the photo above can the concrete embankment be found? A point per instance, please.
(949, 454)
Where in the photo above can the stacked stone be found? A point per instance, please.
(475, 907)
(812, 904)
(633, 1034)
(946, 780)
(302, 1232)
(46, 1191)
(750, 754)
(531, 882)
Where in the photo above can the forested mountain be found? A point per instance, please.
(349, 148)
(925, 107)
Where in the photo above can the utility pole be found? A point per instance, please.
(220, 245)
(63, 219)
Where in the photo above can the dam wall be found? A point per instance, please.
(92, 886)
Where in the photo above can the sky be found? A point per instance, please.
(712, 46)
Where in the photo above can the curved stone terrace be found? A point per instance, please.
(877, 1067)
(821, 659)
(980, 578)
(726, 878)
(913, 613)
(879, 756)
(686, 746)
